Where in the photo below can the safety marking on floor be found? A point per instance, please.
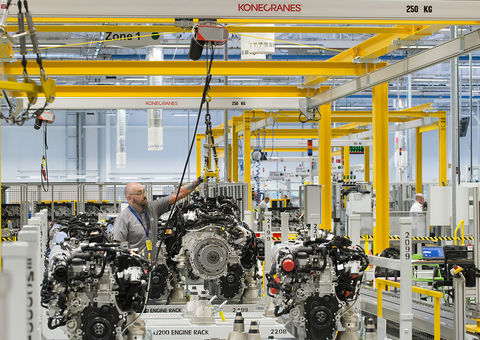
(9, 239)
(292, 236)
(418, 238)
(422, 238)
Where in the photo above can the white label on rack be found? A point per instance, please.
(163, 309)
(181, 333)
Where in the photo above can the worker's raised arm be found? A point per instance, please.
(185, 190)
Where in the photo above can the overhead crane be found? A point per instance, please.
(409, 26)
(305, 9)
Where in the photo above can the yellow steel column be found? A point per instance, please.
(0, 206)
(234, 154)
(381, 230)
(325, 163)
(366, 164)
(230, 162)
(199, 154)
(418, 161)
(246, 156)
(442, 151)
(346, 161)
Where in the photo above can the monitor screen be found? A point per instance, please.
(433, 253)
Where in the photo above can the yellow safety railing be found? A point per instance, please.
(382, 284)
(462, 223)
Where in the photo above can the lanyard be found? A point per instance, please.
(139, 220)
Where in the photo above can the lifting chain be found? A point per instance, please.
(47, 84)
(210, 144)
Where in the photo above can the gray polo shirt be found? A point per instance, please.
(128, 228)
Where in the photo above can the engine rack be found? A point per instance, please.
(172, 325)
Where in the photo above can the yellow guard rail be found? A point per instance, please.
(382, 284)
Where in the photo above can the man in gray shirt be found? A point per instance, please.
(137, 224)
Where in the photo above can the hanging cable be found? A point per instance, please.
(257, 156)
(44, 164)
(206, 87)
(273, 133)
(302, 118)
(47, 84)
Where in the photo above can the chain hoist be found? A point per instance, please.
(210, 148)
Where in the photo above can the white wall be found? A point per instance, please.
(22, 149)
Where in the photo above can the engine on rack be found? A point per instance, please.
(92, 287)
(212, 245)
(314, 282)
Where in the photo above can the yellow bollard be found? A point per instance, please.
(366, 249)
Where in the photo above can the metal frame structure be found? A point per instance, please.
(252, 123)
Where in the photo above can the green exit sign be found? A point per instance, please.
(357, 150)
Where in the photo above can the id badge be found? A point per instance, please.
(149, 245)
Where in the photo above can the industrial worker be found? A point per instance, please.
(264, 204)
(418, 204)
(137, 223)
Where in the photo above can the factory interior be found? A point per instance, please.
(240, 170)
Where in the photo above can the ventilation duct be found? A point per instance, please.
(121, 156)
(255, 46)
(155, 127)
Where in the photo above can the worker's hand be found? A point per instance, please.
(200, 179)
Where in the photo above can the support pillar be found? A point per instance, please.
(418, 161)
(442, 151)
(247, 170)
(366, 164)
(406, 316)
(234, 154)
(324, 164)
(381, 230)
(230, 162)
(346, 162)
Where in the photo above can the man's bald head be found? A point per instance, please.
(132, 188)
(135, 195)
(420, 198)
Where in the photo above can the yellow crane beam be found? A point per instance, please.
(190, 68)
(377, 46)
(296, 133)
(417, 113)
(231, 28)
(24, 87)
(362, 118)
(171, 91)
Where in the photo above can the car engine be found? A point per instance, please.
(212, 245)
(314, 282)
(92, 287)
